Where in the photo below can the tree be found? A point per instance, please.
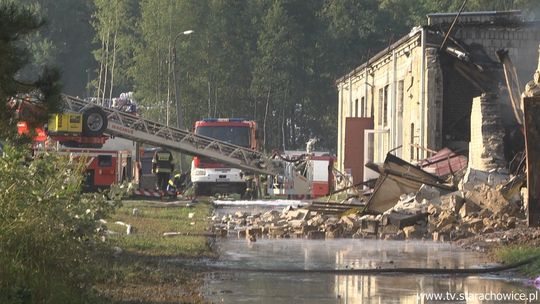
(65, 40)
(113, 22)
(18, 22)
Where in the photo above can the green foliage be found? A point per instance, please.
(47, 229)
(514, 254)
(114, 26)
(16, 23)
(65, 40)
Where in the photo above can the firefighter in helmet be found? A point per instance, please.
(162, 166)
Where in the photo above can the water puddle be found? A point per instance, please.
(255, 287)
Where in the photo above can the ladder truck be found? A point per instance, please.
(99, 122)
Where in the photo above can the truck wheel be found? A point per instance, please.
(94, 122)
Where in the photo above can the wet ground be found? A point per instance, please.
(259, 287)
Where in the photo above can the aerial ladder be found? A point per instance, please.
(114, 122)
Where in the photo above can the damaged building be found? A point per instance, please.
(417, 95)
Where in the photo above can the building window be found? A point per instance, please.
(356, 107)
(385, 106)
(362, 107)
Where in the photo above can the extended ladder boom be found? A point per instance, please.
(142, 130)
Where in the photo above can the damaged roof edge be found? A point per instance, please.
(415, 32)
(410, 36)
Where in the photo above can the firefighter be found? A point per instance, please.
(177, 182)
(162, 166)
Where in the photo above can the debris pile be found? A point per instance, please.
(425, 214)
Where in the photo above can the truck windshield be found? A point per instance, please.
(235, 135)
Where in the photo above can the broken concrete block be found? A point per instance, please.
(401, 220)
(429, 193)
(297, 223)
(296, 214)
(414, 232)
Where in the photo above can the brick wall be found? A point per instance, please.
(486, 148)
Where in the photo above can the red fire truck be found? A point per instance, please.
(209, 176)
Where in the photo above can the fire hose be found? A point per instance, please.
(373, 271)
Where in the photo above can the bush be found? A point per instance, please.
(48, 229)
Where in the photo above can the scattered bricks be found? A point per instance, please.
(446, 219)
(298, 214)
(348, 222)
(475, 225)
(414, 232)
(452, 201)
(316, 220)
(446, 229)
(433, 209)
(485, 213)
(270, 216)
(240, 214)
(468, 208)
(488, 230)
(511, 223)
(297, 223)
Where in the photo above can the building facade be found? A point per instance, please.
(419, 95)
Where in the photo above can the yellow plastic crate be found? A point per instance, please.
(65, 123)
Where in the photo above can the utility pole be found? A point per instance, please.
(179, 112)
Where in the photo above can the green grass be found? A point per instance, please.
(141, 273)
(512, 254)
(153, 220)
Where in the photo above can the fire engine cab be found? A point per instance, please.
(210, 176)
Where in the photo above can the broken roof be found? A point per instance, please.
(434, 21)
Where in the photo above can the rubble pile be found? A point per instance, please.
(423, 215)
